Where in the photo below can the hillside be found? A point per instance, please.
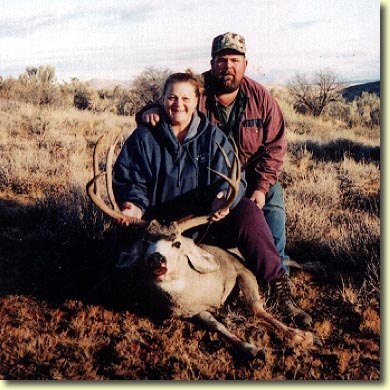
(354, 91)
(103, 83)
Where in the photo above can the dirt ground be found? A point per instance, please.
(64, 315)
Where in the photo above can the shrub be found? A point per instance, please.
(365, 110)
(38, 86)
(125, 103)
(313, 96)
(83, 97)
(338, 110)
(147, 87)
(362, 111)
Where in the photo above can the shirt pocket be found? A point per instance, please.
(252, 138)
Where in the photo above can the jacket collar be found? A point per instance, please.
(197, 126)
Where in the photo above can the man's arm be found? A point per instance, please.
(150, 114)
(258, 196)
(270, 163)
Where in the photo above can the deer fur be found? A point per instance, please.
(197, 281)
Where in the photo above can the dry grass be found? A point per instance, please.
(56, 322)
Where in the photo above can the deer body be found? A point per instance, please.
(194, 292)
(196, 279)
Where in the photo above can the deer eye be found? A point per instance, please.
(176, 244)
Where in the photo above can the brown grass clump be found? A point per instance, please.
(64, 314)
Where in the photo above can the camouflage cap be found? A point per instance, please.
(228, 41)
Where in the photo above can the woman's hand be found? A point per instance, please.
(221, 212)
(130, 210)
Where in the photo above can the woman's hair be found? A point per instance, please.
(186, 77)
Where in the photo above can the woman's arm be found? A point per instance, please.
(132, 174)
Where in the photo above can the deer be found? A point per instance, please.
(195, 280)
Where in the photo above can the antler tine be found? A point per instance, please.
(236, 173)
(96, 169)
(225, 156)
(233, 181)
(189, 222)
(99, 202)
(94, 193)
(235, 176)
(109, 165)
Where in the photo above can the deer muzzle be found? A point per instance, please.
(157, 264)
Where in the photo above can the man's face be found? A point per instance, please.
(228, 70)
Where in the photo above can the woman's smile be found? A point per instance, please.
(180, 103)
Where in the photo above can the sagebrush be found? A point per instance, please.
(65, 315)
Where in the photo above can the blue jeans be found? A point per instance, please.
(275, 215)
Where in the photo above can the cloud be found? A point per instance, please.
(301, 25)
(22, 25)
(118, 39)
(305, 24)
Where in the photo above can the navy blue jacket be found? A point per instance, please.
(153, 167)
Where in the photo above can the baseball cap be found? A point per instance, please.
(228, 41)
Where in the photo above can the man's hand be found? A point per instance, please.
(220, 213)
(132, 211)
(259, 198)
(151, 116)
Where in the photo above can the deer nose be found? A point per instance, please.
(156, 260)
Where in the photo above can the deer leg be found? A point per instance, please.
(248, 286)
(244, 349)
(293, 335)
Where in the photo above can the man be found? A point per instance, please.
(244, 109)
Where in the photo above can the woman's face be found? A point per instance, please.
(180, 102)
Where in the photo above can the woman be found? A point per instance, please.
(161, 164)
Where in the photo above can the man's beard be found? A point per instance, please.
(226, 83)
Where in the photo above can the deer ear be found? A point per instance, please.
(202, 261)
(130, 258)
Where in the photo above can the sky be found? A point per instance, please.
(117, 40)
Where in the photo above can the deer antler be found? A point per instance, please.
(93, 189)
(234, 183)
(113, 209)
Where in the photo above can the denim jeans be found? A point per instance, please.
(275, 215)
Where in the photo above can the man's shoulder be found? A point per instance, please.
(251, 84)
(252, 88)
